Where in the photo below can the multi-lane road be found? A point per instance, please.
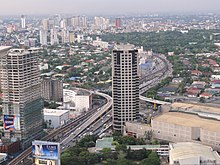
(84, 120)
(101, 111)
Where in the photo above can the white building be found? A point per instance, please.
(54, 38)
(99, 43)
(56, 118)
(43, 37)
(101, 23)
(80, 99)
(187, 153)
(23, 22)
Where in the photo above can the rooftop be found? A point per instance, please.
(54, 112)
(187, 150)
(189, 120)
(195, 107)
(105, 143)
(124, 47)
(3, 48)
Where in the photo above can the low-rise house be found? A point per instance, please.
(193, 92)
(196, 73)
(205, 95)
(177, 80)
(198, 84)
(215, 83)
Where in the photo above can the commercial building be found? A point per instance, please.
(136, 129)
(205, 111)
(55, 118)
(52, 89)
(182, 127)
(125, 85)
(187, 153)
(181, 122)
(22, 103)
(80, 99)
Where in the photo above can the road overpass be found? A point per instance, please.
(22, 158)
(150, 100)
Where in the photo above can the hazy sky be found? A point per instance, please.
(105, 6)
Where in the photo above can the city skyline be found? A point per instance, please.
(101, 7)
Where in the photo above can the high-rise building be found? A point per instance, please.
(53, 37)
(57, 19)
(65, 36)
(83, 21)
(101, 23)
(125, 85)
(23, 22)
(45, 24)
(76, 21)
(21, 88)
(63, 24)
(72, 37)
(52, 89)
(118, 23)
(43, 37)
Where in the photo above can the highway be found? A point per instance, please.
(65, 142)
(154, 78)
(90, 117)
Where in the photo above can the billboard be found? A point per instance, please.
(44, 162)
(46, 150)
(12, 123)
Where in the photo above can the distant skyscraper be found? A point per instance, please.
(23, 22)
(57, 19)
(125, 85)
(65, 36)
(101, 23)
(63, 24)
(72, 37)
(43, 37)
(118, 23)
(83, 21)
(52, 89)
(22, 103)
(53, 37)
(76, 21)
(45, 24)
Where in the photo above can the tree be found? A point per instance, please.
(202, 99)
(89, 158)
(152, 159)
(124, 161)
(87, 141)
(121, 147)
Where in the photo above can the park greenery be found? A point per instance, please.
(195, 41)
(79, 154)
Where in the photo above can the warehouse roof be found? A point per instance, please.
(189, 120)
(195, 107)
(188, 150)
